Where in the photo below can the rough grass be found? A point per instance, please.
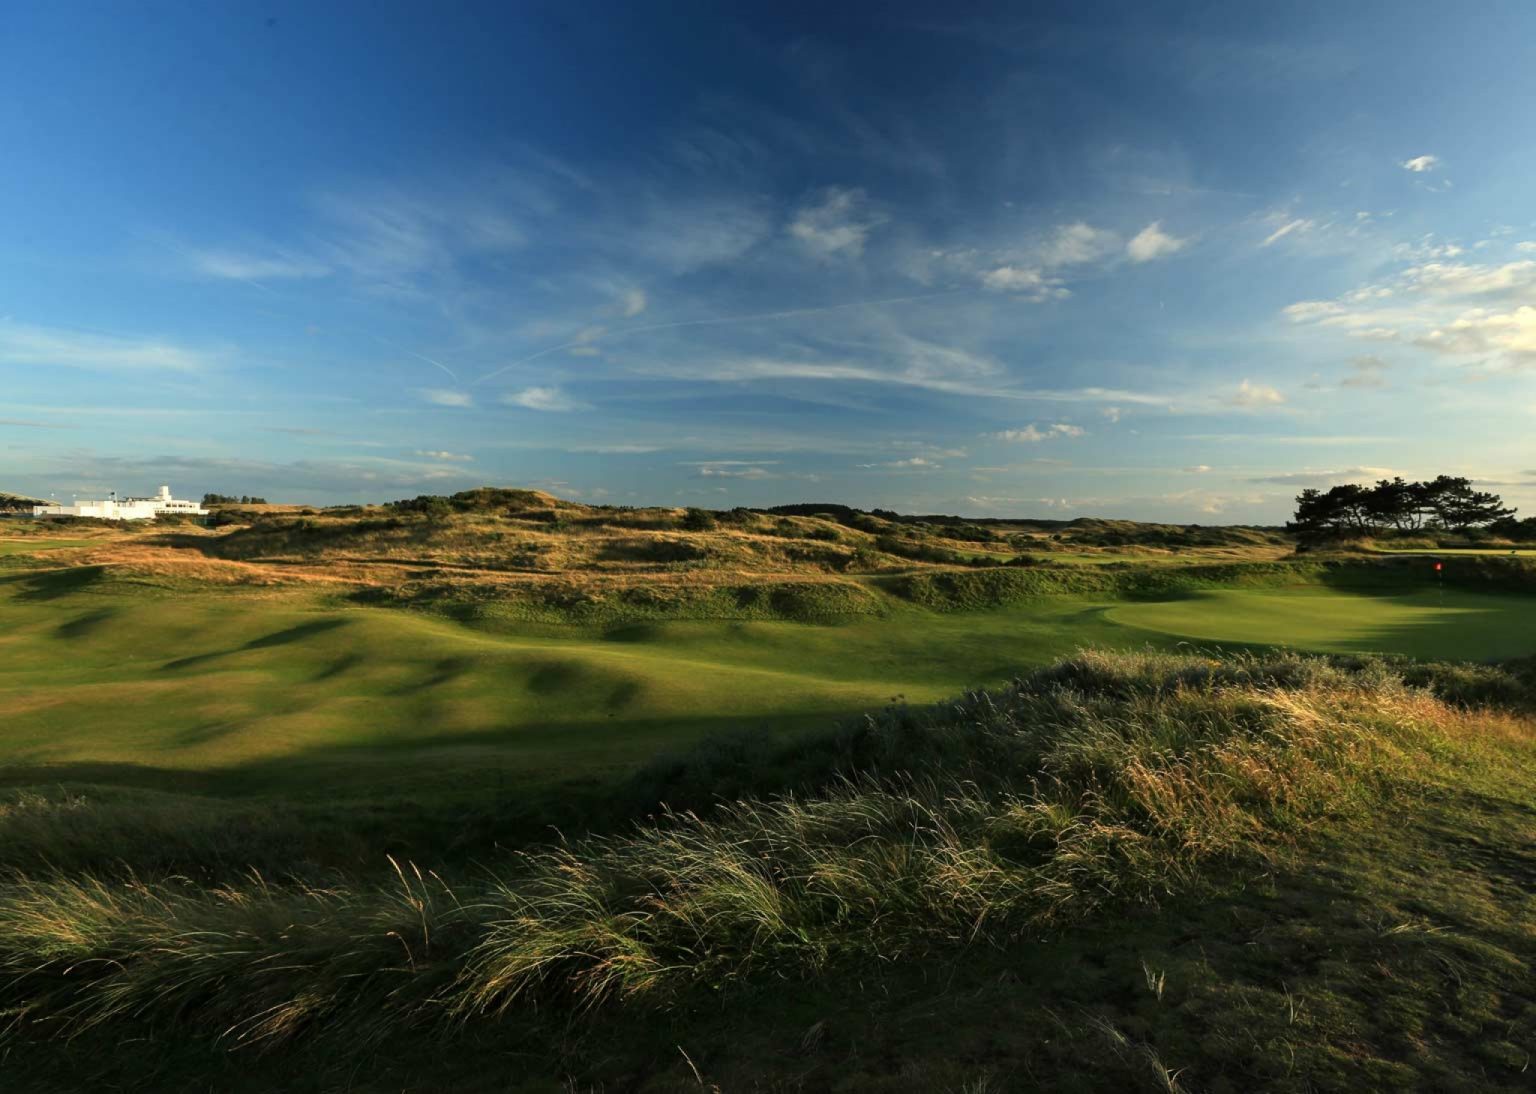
(1098, 786)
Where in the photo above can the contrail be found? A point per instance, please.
(419, 356)
(771, 315)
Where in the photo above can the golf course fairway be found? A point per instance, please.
(274, 693)
(1423, 623)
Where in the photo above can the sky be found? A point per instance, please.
(1157, 261)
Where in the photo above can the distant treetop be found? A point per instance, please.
(1445, 502)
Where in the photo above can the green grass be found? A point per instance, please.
(1505, 551)
(27, 546)
(1420, 623)
(232, 692)
(1125, 872)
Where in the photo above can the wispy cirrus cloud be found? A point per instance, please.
(551, 399)
(59, 348)
(27, 423)
(836, 223)
(718, 471)
(241, 266)
(1299, 224)
(442, 396)
(1323, 478)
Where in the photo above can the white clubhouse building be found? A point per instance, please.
(116, 508)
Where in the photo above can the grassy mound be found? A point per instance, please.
(1100, 788)
(962, 590)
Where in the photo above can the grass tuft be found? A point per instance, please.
(1098, 785)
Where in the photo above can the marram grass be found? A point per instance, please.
(1101, 783)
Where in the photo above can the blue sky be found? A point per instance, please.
(1146, 260)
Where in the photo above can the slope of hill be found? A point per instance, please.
(525, 556)
(1123, 872)
(19, 501)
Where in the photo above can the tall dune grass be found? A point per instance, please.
(1100, 783)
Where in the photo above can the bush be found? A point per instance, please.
(433, 506)
(697, 520)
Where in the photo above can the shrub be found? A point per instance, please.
(428, 505)
(697, 520)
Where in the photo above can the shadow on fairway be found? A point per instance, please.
(278, 638)
(1458, 631)
(53, 584)
(84, 626)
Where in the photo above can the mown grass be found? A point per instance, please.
(1102, 787)
(28, 546)
(232, 692)
(1422, 623)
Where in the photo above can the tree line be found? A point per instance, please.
(1444, 503)
(230, 499)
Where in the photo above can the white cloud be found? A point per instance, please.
(542, 398)
(718, 472)
(1074, 244)
(441, 396)
(1420, 164)
(438, 454)
(1483, 331)
(1152, 242)
(633, 302)
(1298, 225)
(1528, 247)
(1111, 414)
(684, 234)
(1458, 279)
(1027, 281)
(1033, 434)
(388, 235)
(1198, 469)
(914, 463)
(1328, 478)
(245, 267)
(1308, 311)
(1427, 250)
(1251, 396)
(733, 469)
(25, 345)
(836, 225)
(1423, 309)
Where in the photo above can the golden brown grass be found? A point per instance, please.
(1104, 782)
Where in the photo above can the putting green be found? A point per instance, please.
(1426, 623)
